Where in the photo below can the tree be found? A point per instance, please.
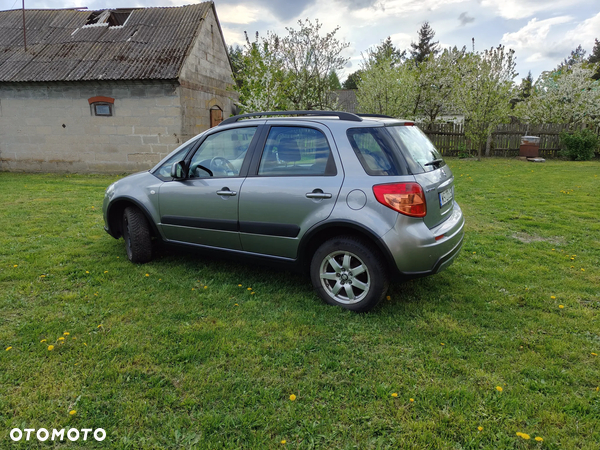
(387, 51)
(576, 56)
(435, 83)
(523, 92)
(334, 81)
(425, 46)
(353, 80)
(571, 97)
(262, 81)
(594, 58)
(291, 72)
(484, 92)
(236, 56)
(308, 59)
(385, 89)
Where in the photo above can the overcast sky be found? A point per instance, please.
(542, 32)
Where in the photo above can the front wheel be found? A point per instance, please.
(346, 272)
(137, 237)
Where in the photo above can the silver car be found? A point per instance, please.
(354, 200)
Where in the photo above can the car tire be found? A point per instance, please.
(137, 237)
(346, 271)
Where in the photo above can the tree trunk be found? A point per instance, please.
(488, 145)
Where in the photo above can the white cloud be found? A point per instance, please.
(520, 9)
(240, 14)
(534, 34)
(585, 32)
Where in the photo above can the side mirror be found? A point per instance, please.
(178, 170)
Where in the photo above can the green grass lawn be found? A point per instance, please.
(191, 352)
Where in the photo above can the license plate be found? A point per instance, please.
(445, 196)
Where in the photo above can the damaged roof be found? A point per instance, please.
(117, 44)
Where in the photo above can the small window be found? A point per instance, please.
(296, 151)
(374, 150)
(102, 109)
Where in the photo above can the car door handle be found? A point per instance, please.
(227, 192)
(318, 193)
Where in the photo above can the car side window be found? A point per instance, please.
(164, 171)
(296, 151)
(222, 153)
(373, 149)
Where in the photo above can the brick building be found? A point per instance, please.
(108, 91)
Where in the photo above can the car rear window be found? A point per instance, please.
(417, 147)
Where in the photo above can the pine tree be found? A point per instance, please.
(353, 80)
(426, 46)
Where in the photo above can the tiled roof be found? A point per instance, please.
(151, 45)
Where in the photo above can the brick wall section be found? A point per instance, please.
(50, 128)
(206, 80)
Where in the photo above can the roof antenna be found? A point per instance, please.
(24, 32)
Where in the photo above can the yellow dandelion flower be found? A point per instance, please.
(480, 428)
(552, 249)
(72, 412)
(474, 252)
(61, 338)
(525, 436)
(561, 306)
(388, 298)
(283, 441)
(205, 287)
(539, 439)
(236, 304)
(292, 397)
(16, 265)
(193, 289)
(42, 276)
(594, 354)
(553, 297)
(394, 394)
(85, 344)
(499, 388)
(43, 340)
(74, 338)
(411, 399)
(87, 271)
(50, 348)
(252, 293)
(239, 285)
(519, 433)
(8, 348)
(99, 326)
(441, 343)
(106, 271)
(249, 289)
(582, 269)
(597, 388)
(66, 333)
(147, 274)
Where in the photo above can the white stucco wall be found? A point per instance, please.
(50, 128)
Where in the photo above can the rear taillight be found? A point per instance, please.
(406, 198)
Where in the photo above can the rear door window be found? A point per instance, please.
(296, 151)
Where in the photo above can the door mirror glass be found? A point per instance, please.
(178, 170)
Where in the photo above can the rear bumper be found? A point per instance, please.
(414, 247)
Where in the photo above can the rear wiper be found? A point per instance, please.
(435, 162)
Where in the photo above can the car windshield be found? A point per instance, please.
(418, 146)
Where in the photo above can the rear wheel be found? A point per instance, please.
(136, 234)
(346, 272)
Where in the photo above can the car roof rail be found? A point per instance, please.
(339, 114)
(383, 116)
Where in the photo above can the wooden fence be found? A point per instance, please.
(450, 140)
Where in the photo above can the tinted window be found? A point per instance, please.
(417, 146)
(375, 150)
(222, 153)
(296, 151)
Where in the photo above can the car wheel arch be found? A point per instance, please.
(115, 215)
(319, 234)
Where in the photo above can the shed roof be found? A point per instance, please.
(75, 45)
